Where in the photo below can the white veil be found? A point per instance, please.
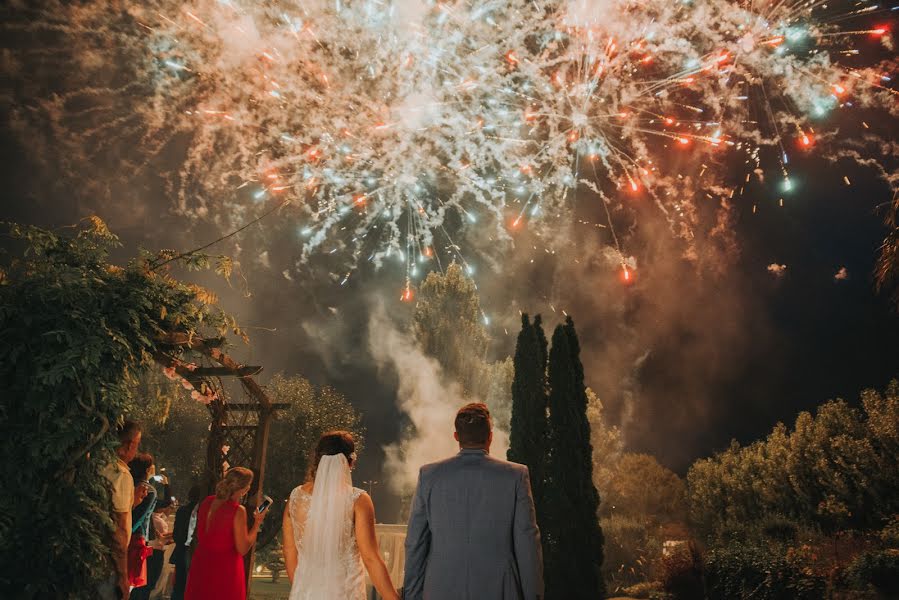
(320, 571)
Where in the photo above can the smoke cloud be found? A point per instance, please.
(425, 397)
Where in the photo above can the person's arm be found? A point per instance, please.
(367, 542)
(526, 540)
(122, 538)
(140, 494)
(243, 539)
(418, 545)
(289, 545)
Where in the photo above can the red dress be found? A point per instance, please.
(216, 569)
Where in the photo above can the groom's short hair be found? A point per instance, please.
(473, 424)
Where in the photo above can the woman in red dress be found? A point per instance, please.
(216, 569)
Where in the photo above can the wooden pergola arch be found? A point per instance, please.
(243, 444)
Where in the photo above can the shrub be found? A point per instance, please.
(645, 590)
(889, 535)
(779, 529)
(682, 573)
(878, 569)
(630, 552)
(759, 572)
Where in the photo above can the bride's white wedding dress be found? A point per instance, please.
(329, 566)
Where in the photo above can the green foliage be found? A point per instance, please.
(889, 535)
(640, 487)
(835, 470)
(176, 429)
(632, 548)
(573, 540)
(682, 573)
(272, 557)
(644, 590)
(878, 569)
(608, 447)
(764, 572)
(448, 325)
(528, 433)
(75, 333)
(295, 431)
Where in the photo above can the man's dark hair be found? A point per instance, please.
(473, 424)
(140, 466)
(196, 493)
(128, 430)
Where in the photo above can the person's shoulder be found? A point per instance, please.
(507, 466)
(361, 497)
(439, 465)
(118, 471)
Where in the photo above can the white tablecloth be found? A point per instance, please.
(392, 542)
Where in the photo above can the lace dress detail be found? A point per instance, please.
(352, 583)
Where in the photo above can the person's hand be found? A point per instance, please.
(259, 516)
(140, 492)
(124, 588)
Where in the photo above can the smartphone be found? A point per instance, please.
(266, 502)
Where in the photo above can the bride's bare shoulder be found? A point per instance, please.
(302, 491)
(361, 499)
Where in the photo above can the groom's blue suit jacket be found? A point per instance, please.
(472, 533)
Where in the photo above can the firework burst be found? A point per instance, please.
(391, 126)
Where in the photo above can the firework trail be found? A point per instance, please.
(392, 126)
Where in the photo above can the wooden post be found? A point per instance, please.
(220, 429)
(260, 452)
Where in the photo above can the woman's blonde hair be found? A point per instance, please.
(236, 478)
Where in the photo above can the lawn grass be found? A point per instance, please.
(264, 589)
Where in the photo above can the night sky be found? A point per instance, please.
(690, 355)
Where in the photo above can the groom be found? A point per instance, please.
(473, 534)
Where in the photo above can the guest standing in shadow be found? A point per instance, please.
(142, 468)
(182, 534)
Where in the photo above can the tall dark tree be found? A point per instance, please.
(527, 439)
(542, 343)
(573, 538)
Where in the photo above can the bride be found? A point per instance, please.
(329, 530)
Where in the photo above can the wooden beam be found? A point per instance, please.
(250, 406)
(241, 371)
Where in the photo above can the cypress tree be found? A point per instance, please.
(573, 539)
(542, 343)
(527, 438)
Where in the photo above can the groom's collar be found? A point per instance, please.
(473, 451)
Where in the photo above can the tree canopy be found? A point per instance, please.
(835, 470)
(574, 540)
(75, 333)
(449, 325)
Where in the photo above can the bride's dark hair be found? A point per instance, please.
(330, 443)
